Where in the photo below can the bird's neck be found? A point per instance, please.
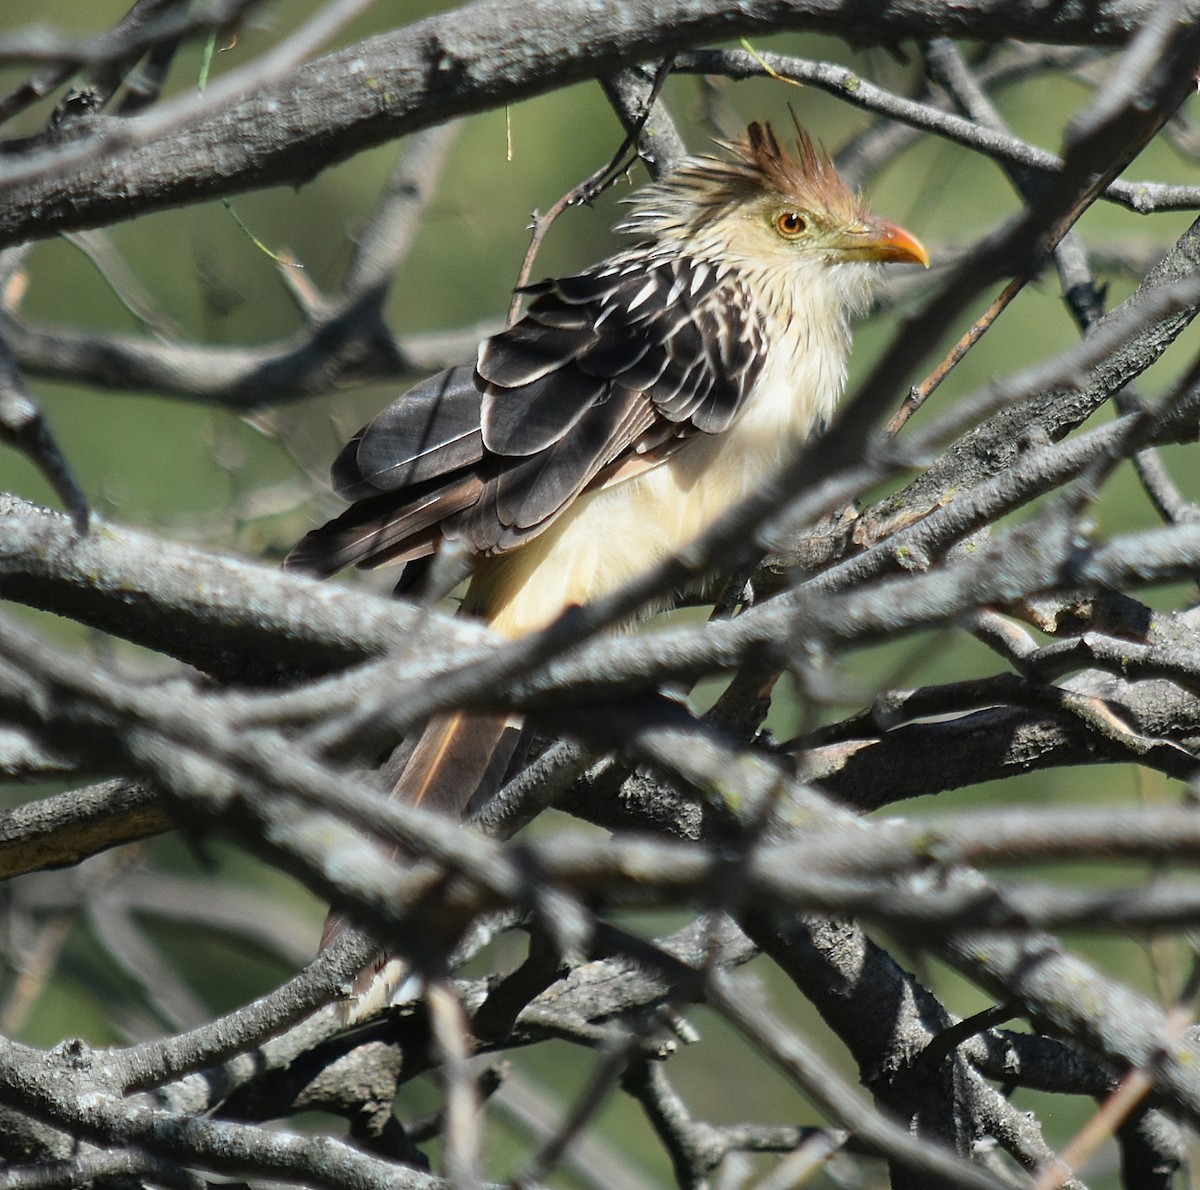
(807, 313)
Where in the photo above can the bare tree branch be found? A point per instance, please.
(1007, 523)
(445, 65)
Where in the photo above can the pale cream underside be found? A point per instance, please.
(610, 535)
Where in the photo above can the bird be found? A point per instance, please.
(618, 418)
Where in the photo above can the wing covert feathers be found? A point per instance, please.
(636, 355)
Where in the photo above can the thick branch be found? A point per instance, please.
(457, 62)
(68, 828)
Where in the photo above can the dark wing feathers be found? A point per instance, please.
(617, 355)
(533, 417)
(528, 495)
(531, 350)
(631, 357)
(389, 527)
(558, 314)
(432, 430)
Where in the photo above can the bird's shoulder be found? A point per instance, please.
(676, 331)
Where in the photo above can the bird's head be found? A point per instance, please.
(761, 206)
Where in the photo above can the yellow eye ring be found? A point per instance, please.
(790, 224)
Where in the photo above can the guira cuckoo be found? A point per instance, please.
(629, 407)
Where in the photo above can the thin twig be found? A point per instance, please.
(585, 192)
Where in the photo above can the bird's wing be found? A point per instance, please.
(629, 359)
(607, 373)
(415, 464)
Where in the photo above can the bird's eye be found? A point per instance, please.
(790, 224)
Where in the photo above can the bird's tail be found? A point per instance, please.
(460, 758)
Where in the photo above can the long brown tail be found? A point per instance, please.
(461, 757)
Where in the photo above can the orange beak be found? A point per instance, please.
(887, 242)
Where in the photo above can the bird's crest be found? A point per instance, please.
(756, 163)
(809, 171)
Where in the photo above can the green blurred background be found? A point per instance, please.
(253, 486)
